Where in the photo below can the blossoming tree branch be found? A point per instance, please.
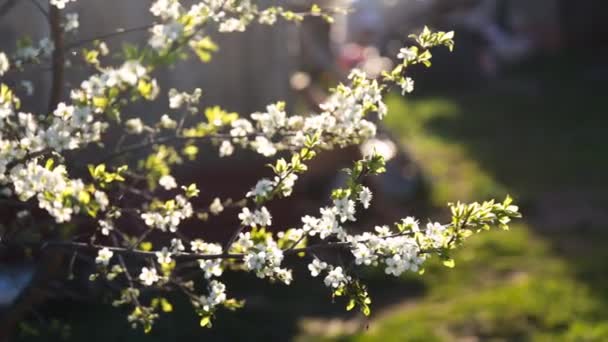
(37, 175)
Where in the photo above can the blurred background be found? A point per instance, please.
(518, 108)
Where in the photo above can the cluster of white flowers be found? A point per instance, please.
(399, 253)
(169, 216)
(128, 75)
(273, 120)
(172, 28)
(257, 218)
(68, 128)
(217, 296)
(211, 267)
(229, 16)
(342, 121)
(264, 258)
(179, 99)
(328, 224)
(55, 192)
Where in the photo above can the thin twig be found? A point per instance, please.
(85, 41)
(136, 252)
(41, 9)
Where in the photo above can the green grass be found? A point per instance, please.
(506, 286)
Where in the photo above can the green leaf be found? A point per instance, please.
(450, 263)
(49, 164)
(205, 321)
(204, 48)
(351, 305)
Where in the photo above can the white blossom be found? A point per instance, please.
(166, 9)
(410, 223)
(163, 256)
(106, 227)
(71, 22)
(336, 278)
(103, 256)
(167, 182)
(217, 295)
(264, 147)
(265, 260)
(163, 35)
(365, 197)
(257, 218)
(4, 63)
(226, 149)
(263, 217)
(167, 123)
(363, 255)
(407, 85)
(247, 217)
(177, 245)
(102, 199)
(262, 188)
(134, 126)
(241, 128)
(407, 54)
(148, 276)
(383, 230)
(169, 217)
(232, 25)
(345, 208)
(316, 267)
(60, 3)
(216, 206)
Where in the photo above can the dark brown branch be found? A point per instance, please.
(58, 58)
(135, 252)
